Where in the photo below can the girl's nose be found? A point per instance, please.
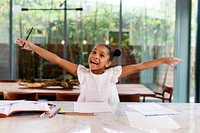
(96, 56)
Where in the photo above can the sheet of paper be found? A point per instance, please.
(140, 121)
(150, 109)
(92, 107)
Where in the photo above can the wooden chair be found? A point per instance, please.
(9, 81)
(167, 91)
(129, 98)
(20, 96)
(66, 97)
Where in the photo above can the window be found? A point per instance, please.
(148, 33)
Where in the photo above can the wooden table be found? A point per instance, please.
(114, 122)
(43, 93)
(50, 92)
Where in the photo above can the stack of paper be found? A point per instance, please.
(138, 120)
(152, 109)
(151, 115)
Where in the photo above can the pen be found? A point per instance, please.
(56, 112)
(28, 36)
(52, 106)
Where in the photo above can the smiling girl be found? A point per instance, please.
(98, 82)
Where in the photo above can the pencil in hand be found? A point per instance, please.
(27, 36)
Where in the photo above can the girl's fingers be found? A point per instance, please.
(172, 60)
(20, 42)
(24, 44)
(178, 60)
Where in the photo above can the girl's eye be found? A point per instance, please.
(101, 55)
(93, 52)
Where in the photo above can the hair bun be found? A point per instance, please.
(116, 52)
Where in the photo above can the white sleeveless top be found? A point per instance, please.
(98, 88)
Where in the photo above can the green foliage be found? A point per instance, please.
(135, 52)
(67, 78)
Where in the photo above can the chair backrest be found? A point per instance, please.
(10, 81)
(20, 96)
(169, 91)
(67, 96)
(129, 98)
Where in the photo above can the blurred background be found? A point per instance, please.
(143, 30)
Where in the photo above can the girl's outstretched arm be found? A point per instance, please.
(68, 66)
(131, 69)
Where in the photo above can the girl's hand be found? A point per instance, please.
(24, 44)
(171, 61)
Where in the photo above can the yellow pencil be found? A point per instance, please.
(77, 114)
(62, 108)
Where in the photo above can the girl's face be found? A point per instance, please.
(98, 59)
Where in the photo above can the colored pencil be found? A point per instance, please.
(54, 114)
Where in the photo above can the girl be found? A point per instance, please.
(98, 82)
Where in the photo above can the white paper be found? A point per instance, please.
(92, 107)
(152, 109)
(10, 102)
(138, 120)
